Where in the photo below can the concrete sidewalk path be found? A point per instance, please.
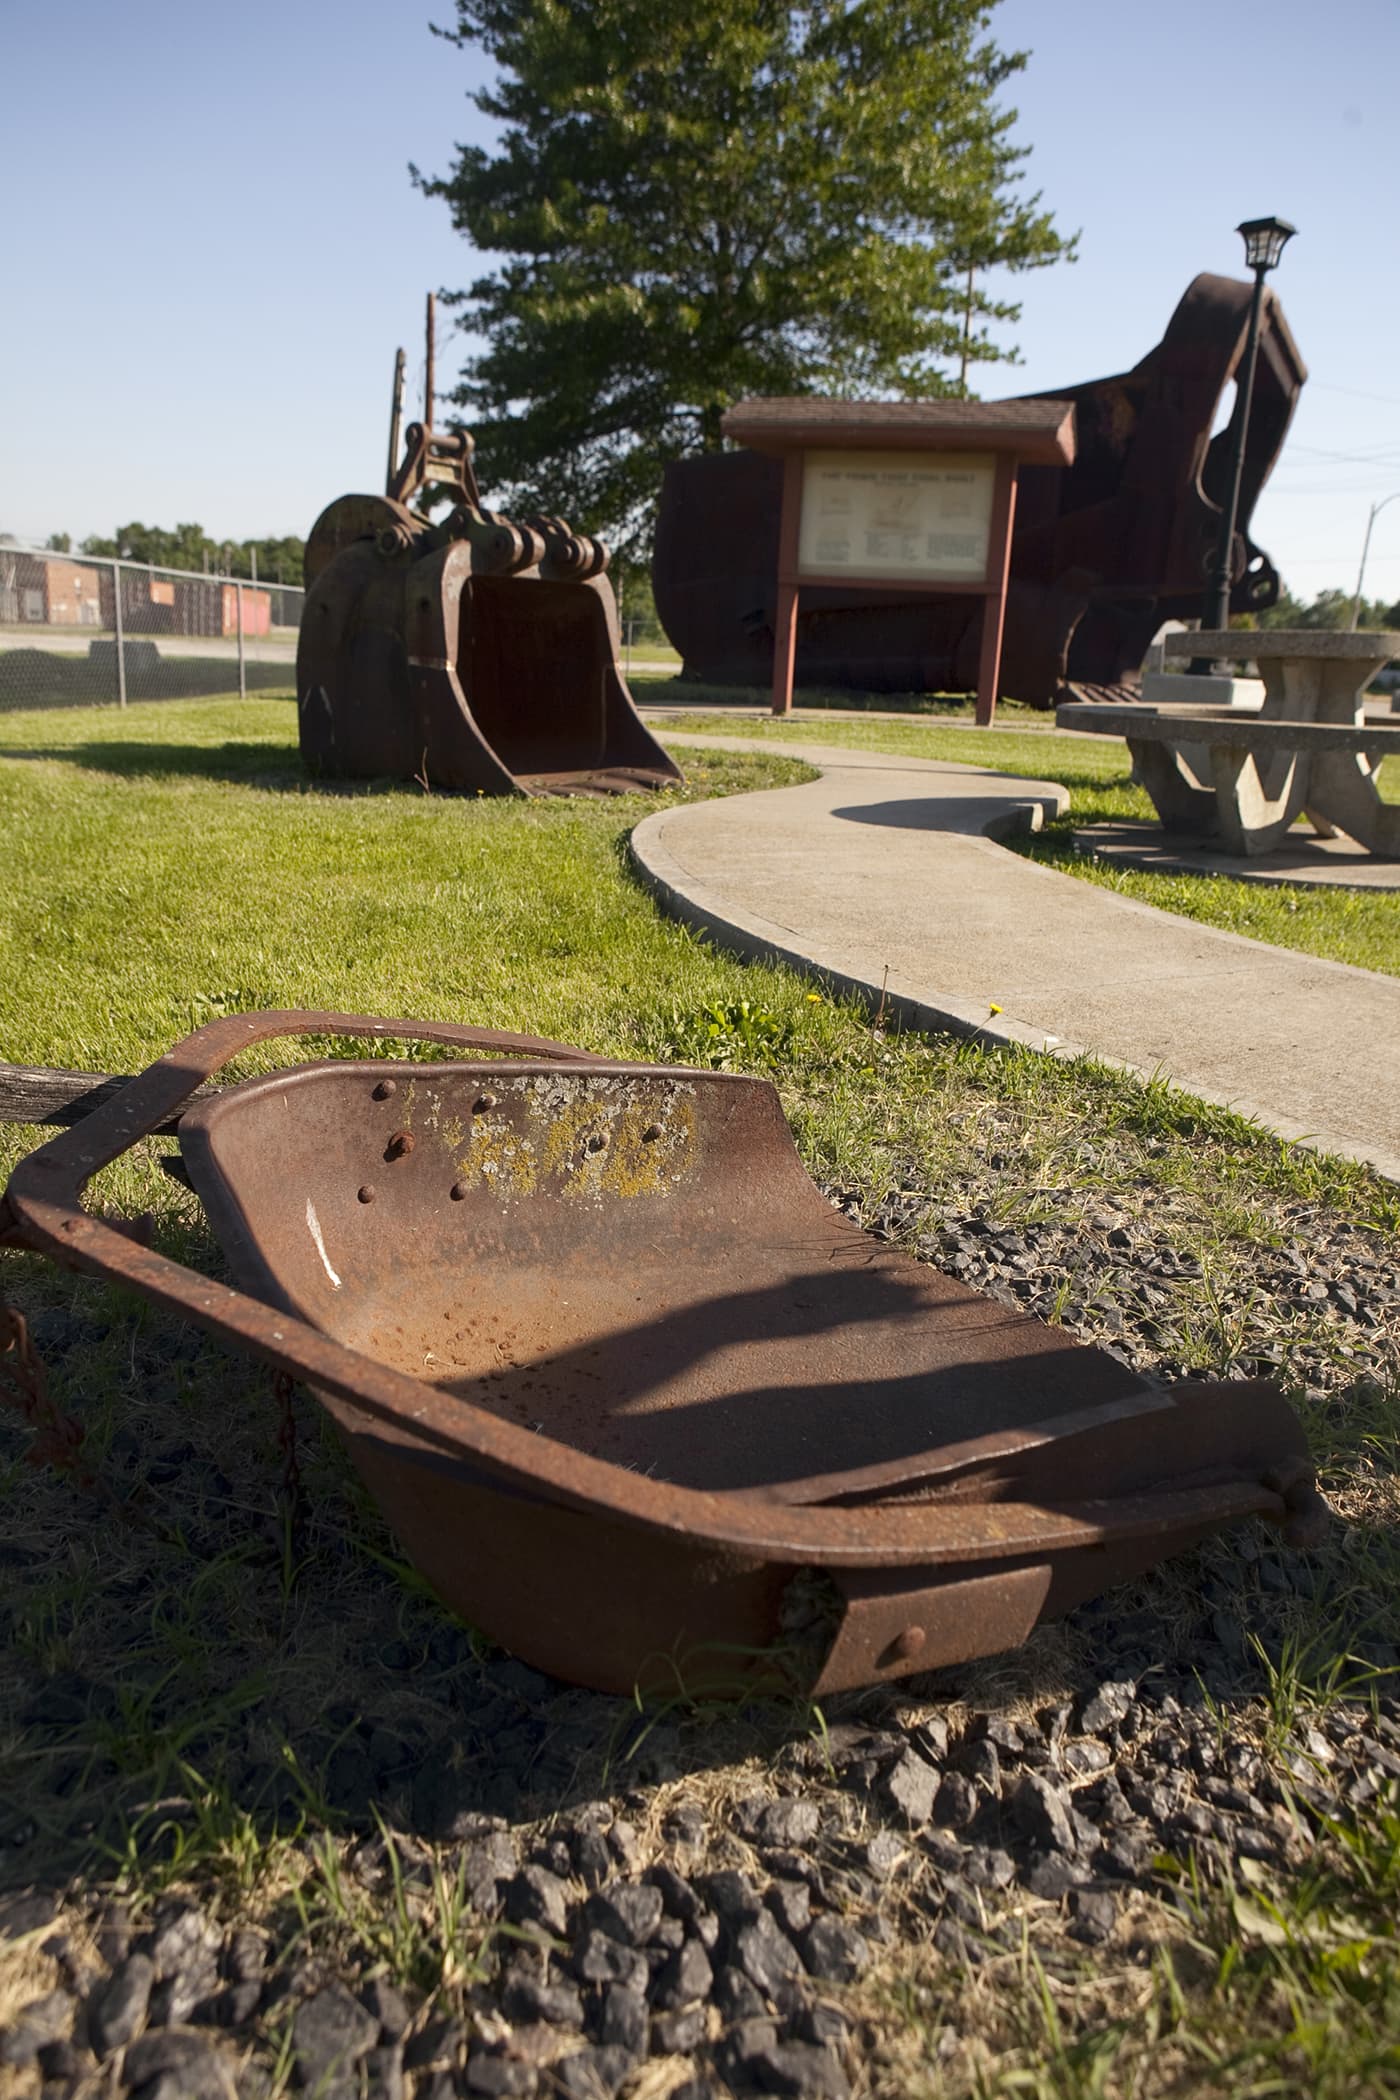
(890, 865)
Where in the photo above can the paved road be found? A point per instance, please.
(279, 646)
(890, 864)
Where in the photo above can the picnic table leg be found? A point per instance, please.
(1179, 798)
(1314, 689)
(1343, 786)
(1254, 810)
(1342, 791)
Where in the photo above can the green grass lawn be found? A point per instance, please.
(1349, 925)
(174, 862)
(654, 652)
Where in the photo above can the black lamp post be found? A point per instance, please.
(1263, 245)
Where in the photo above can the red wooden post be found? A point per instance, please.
(785, 616)
(994, 604)
(784, 647)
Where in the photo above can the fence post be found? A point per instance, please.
(242, 669)
(121, 637)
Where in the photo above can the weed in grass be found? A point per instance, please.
(427, 1940)
(729, 1033)
(1305, 1679)
(201, 1833)
(1058, 2062)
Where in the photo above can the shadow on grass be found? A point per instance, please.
(659, 688)
(277, 769)
(274, 767)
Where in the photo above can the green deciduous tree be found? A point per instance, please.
(190, 547)
(1328, 609)
(695, 202)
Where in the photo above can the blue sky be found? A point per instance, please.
(213, 245)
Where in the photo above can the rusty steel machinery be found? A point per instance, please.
(1103, 551)
(475, 655)
(637, 1400)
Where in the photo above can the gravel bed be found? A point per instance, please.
(692, 1904)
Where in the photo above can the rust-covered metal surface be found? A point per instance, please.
(637, 1401)
(479, 655)
(1103, 550)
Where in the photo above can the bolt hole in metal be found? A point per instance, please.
(459, 1191)
(386, 1089)
(366, 1194)
(651, 1133)
(482, 1103)
(399, 1145)
(596, 1142)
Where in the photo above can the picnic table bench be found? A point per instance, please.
(1246, 778)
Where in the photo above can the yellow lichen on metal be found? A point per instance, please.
(501, 1157)
(637, 1165)
(598, 1143)
(592, 1138)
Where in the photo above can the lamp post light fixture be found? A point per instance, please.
(1263, 245)
(1376, 509)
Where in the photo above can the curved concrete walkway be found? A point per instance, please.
(885, 872)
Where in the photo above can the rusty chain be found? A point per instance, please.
(282, 1386)
(58, 1439)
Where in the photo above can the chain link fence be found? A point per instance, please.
(79, 630)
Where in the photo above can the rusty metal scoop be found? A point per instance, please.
(636, 1399)
(479, 656)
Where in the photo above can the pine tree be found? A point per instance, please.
(695, 200)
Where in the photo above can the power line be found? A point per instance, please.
(1384, 455)
(1318, 561)
(1392, 400)
(1350, 492)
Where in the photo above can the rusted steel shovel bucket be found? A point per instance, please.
(638, 1402)
(481, 656)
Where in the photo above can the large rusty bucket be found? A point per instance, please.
(478, 656)
(637, 1400)
(1103, 551)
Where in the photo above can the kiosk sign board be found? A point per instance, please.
(900, 496)
(892, 516)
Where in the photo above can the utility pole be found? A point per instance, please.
(1376, 509)
(396, 417)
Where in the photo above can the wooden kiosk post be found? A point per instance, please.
(907, 496)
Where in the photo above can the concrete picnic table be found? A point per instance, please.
(1246, 777)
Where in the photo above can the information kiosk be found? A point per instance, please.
(900, 496)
